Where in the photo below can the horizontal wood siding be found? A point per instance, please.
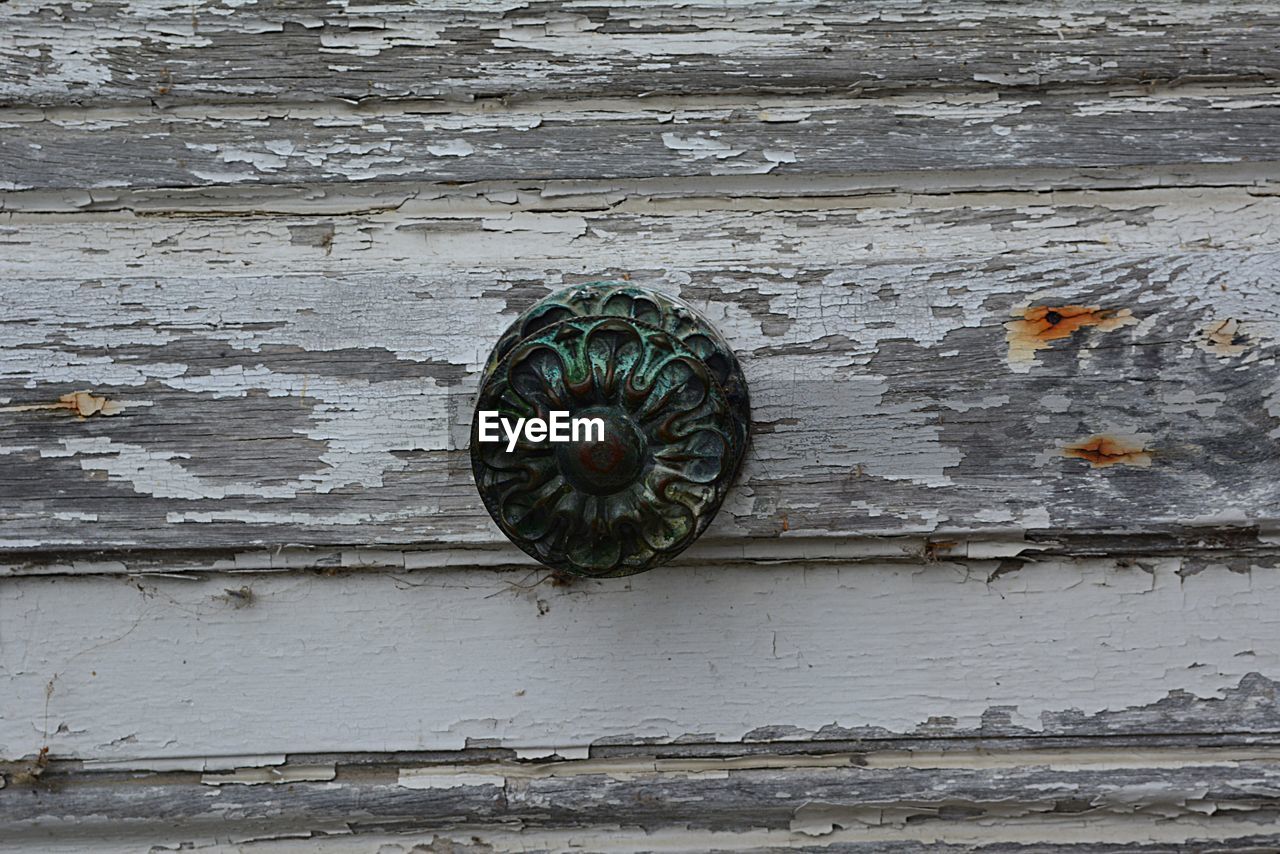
(621, 139)
(156, 668)
(931, 403)
(1000, 574)
(320, 51)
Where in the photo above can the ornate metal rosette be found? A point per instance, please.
(676, 414)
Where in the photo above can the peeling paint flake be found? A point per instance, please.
(452, 148)
(432, 778)
(1225, 338)
(271, 775)
(700, 147)
(183, 763)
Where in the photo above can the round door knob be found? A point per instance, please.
(653, 419)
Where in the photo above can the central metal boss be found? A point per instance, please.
(672, 403)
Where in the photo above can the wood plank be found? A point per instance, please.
(877, 800)
(638, 138)
(552, 231)
(254, 357)
(309, 50)
(208, 671)
(281, 385)
(1186, 183)
(1145, 836)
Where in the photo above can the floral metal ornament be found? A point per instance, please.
(676, 417)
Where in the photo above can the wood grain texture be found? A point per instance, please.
(1000, 574)
(309, 50)
(1043, 715)
(307, 380)
(196, 672)
(876, 800)
(636, 138)
(761, 193)
(1146, 837)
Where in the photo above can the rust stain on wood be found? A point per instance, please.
(81, 403)
(1223, 338)
(1103, 449)
(1038, 326)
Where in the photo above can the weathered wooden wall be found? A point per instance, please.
(993, 578)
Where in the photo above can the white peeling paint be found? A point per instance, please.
(432, 778)
(270, 775)
(322, 660)
(225, 762)
(452, 148)
(700, 147)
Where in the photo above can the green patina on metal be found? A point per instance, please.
(677, 422)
